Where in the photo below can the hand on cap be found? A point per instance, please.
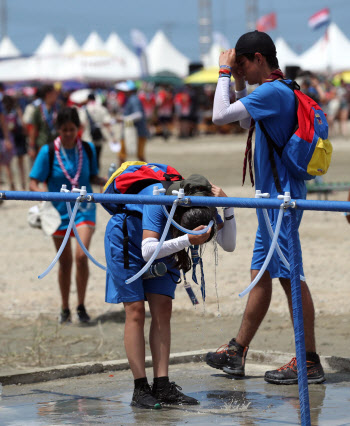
(228, 57)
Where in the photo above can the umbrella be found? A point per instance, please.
(80, 96)
(165, 77)
(204, 76)
(345, 75)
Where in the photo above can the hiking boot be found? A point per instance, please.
(65, 317)
(229, 358)
(144, 398)
(288, 374)
(170, 394)
(83, 316)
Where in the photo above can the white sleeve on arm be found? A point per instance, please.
(223, 111)
(226, 236)
(135, 116)
(169, 247)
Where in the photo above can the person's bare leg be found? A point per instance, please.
(257, 306)
(64, 271)
(22, 173)
(10, 178)
(308, 312)
(160, 331)
(134, 339)
(82, 270)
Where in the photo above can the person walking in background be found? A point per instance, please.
(43, 128)
(165, 109)
(7, 150)
(133, 113)
(14, 120)
(273, 104)
(72, 162)
(182, 103)
(96, 121)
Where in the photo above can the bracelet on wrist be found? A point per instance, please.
(226, 66)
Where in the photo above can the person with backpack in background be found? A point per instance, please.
(96, 121)
(43, 123)
(132, 236)
(271, 109)
(72, 162)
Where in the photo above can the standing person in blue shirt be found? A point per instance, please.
(133, 112)
(72, 162)
(272, 102)
(144, 225)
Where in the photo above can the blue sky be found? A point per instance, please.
(30, 20)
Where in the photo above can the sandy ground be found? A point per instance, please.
(30, 336)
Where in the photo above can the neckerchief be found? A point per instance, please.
(275, 75)
(75, 179)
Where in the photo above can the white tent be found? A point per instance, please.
(163, 56)
(211, 59)
(285, 55)
(70, 46)
(8, 49)
(330, 53)
(49, 46)
(93, 43)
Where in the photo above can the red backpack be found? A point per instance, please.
(308, 152)
(133, 176)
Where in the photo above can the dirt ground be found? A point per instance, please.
(30, 335)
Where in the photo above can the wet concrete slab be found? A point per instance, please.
(105, 399)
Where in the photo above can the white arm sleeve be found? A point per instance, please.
(223, 111)
(169, 247)
(135, 116)
(226, 236)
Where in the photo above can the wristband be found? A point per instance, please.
(226, 66)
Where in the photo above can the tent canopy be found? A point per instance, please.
(8, 49)
(70, 46)
(285, 55)
(329, 53)
(163, 56)
(49, 46)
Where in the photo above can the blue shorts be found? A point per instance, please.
(117, 291)
(276, 267)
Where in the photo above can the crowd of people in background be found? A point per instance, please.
(28, 116)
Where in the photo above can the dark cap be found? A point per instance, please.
(255, 41)
(193, 185)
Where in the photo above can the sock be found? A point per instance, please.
(312, 356)
(160, 382)
(140, 382)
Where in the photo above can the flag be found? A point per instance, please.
(267, 22)
(320, 18)
(139, 41)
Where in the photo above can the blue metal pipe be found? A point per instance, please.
(337, 206)
(298, 319)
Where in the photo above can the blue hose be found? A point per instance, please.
(77, 236)
(159, 246)
(64, 242)
(185, 230)
(268, 257)
(278, 248)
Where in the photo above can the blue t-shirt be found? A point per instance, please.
(40, 171)
(132, 105)
(274, 103)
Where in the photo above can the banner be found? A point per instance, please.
(139, 42)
